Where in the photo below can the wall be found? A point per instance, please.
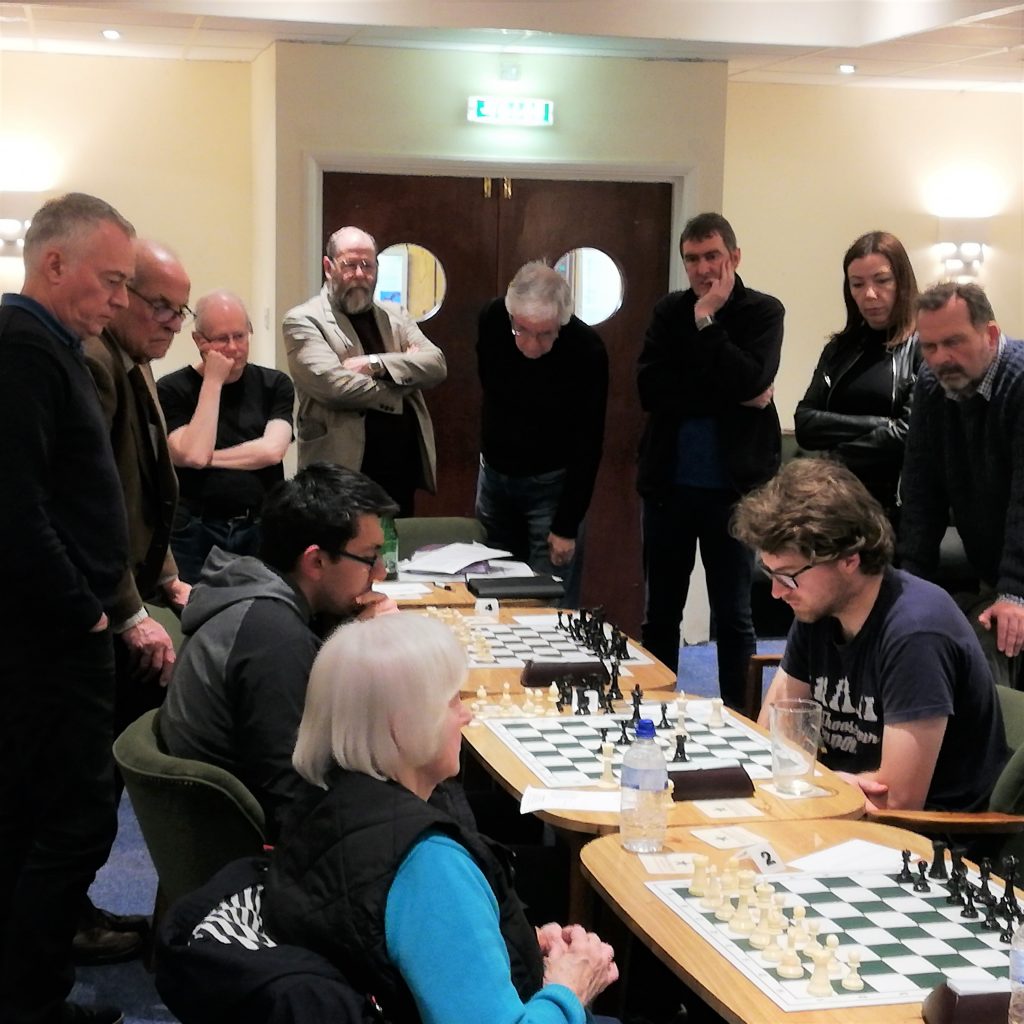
(167, 142)
(808, 169)
(351, 108)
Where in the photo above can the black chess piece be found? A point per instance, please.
(954, 889)
(637, 697)
(969, 911)
(991, 922)
(614, 693)
(905, 875)
(957, 853)
(1006, 935)
(680, 755)
(664, 723)
(582, 701)
(603, 733)
(624, 738)
(561, 624)
(938, 868)
(985, 894)
(921, 883)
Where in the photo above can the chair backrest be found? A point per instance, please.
(1008, 793)
(194, 817)
(415, 533)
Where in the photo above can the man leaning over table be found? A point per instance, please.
(909, 709)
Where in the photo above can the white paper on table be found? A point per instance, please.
(726, 838)
(812, 791)
(738, 808)
(401, 591)
(667, 863)
(452, 558)
(537, 798)
(497, 568)
(852, 856)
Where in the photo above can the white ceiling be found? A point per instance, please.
(973, 44)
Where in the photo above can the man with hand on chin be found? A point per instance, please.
(706, 380)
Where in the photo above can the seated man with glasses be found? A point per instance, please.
(254, 626)
(544, 374)
(360, 368)
(909, 709)
(229, 425)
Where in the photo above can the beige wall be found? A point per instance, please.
(808, 169)
(167, 142)
(349, 108)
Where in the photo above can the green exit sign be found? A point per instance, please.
(511, 110)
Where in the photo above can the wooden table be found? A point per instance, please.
(619, 877)
(576, 827)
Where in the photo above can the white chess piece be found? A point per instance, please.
(506, 695)
(835, 969)
(742, 922)
(820, 985)
(773, 952)
(698, 882)
(716, 720)
(790, 966)
(607, 775)
(481, 692)
(853, 982)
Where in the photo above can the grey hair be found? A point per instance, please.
(377, 697)
(540, 291)
(67, 218)
(220, 295)
(979, 309)
(332, 242)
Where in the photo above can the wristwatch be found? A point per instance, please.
(704, 321)
(375, 365)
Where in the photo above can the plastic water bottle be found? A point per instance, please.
(1016, 1014)
(389, 552)
(644, 780)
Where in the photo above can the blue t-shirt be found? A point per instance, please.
(916, 657)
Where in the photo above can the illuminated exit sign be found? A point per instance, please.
(511, 110)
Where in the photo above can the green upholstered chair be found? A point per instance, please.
(1005, 815)
(194, 817)
(419, 531)
(170, 622)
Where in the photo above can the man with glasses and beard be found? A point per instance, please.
(909, 710)
(360, 368)
(229, 425)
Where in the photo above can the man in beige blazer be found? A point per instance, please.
(360, 368)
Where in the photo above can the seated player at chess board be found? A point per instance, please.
(909, 709)
(388, 882)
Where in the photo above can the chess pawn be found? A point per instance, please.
(790, 966)
(528, 708)
(742, 922)
(853, 982)
(835, 969)
(813, 945)
(481, 692)
(725, 910)
(778, 922)
(506, 695)
(798, 926)
(607, 775)
(716, 719)
(773, 952)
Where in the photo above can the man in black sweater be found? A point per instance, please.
(965, 458)
(544, 374)
(706, 377)
(64, 548)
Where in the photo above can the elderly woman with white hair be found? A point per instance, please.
(377, 874)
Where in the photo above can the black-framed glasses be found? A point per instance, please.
(787, 579)
(370, 561)
(163, 312)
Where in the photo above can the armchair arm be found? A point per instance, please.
(939, 822)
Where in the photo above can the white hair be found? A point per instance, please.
(539, 291)
(377, 697)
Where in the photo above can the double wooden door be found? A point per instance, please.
(482, 230)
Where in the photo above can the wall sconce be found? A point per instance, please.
(961, 245)
(12, 235)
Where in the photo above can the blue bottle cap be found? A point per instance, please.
(645, 729)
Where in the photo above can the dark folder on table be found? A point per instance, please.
(539, 587)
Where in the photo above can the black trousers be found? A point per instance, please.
(57, 809)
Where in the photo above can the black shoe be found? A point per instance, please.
(75, 1014)
(120, 922)
(94, 946)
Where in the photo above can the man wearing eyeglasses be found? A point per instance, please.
(119, 360)
(544, 374)
(254, 627)
(909, 709)
(360, 368)
(229, 425)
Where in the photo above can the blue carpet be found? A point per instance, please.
(698, 666)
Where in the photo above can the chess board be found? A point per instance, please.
(538, 638)
(566, 750)
(908, 942)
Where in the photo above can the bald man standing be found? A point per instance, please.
(360, 368)
(229, 425)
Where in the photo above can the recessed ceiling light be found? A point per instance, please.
(847, 69)
(111, 34)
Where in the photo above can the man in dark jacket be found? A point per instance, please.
(240, 683)
(706, 379)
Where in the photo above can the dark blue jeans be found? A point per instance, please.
(57, 809)
(193, 537)
(673, 526)
(517, 512)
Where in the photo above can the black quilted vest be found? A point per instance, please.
(330, 875)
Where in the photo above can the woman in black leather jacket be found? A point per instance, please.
(858, 404)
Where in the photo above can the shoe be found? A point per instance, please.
(120, 922)
(73, 1013)
(93, 946)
